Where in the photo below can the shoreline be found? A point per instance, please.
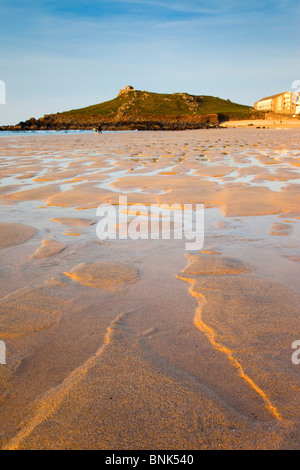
(292, 123)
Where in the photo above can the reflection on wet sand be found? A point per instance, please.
(107, 347)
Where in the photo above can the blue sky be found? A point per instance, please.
(61, 55)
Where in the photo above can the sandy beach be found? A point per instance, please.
(141, 344)
(275, 123)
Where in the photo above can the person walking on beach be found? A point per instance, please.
(99, 129)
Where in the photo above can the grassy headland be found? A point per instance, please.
(143, 110)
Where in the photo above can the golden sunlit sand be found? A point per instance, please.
(109, 276)
(48, 248)
(73, 221)
(14, 234)
(140, 344)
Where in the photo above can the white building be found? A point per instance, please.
(282, 103)
(298, 103)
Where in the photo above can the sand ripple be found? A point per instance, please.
(108, 276)
(15, 234)
(248, 319)
(48, 248)
(74, 221)
(30, 310)
(214, 265)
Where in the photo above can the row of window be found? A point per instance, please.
(285, 101)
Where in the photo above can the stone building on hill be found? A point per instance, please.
(127, 90)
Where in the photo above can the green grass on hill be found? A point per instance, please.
(142, 103)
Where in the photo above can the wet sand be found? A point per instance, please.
(123, 344)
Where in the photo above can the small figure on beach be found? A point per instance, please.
(98, 130)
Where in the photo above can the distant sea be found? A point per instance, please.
(71, 132)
